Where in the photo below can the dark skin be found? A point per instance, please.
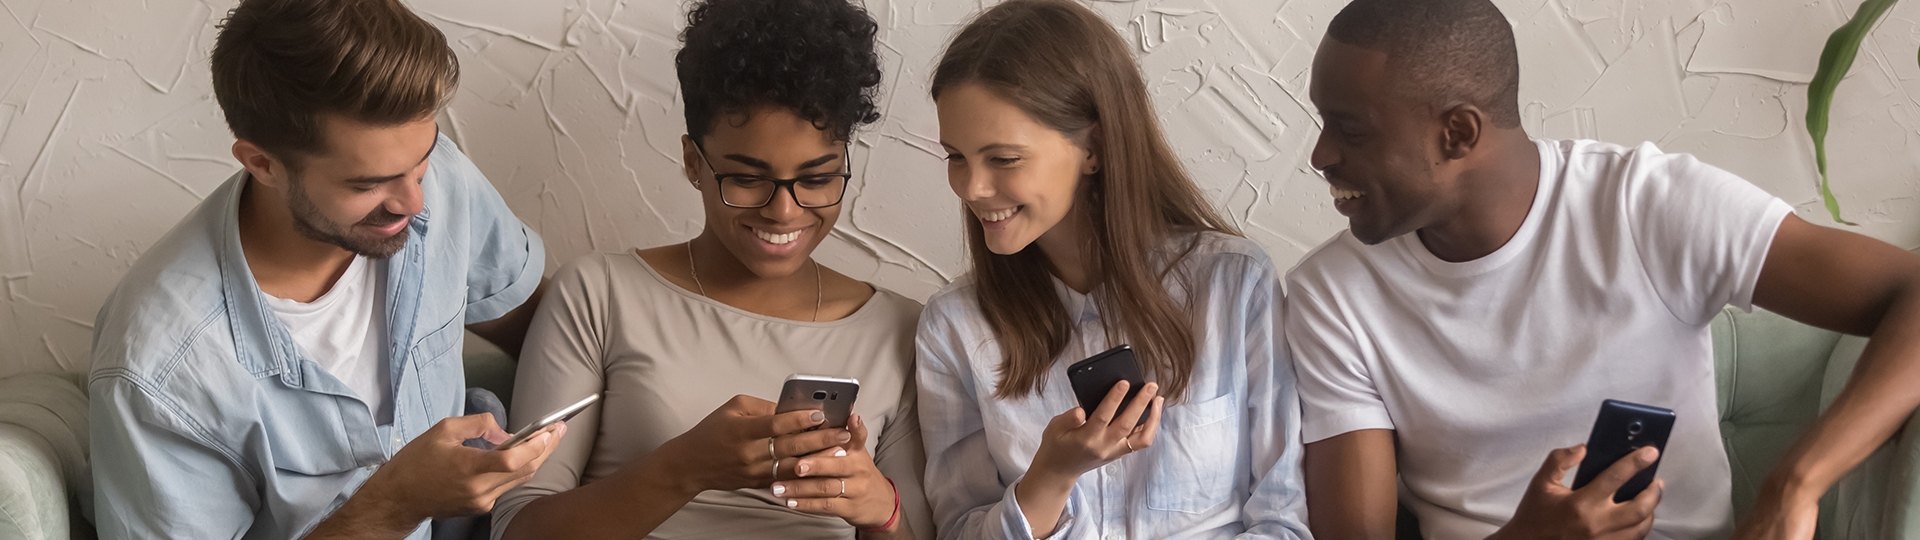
(363, 169)
(736, 266)
(1464, 185)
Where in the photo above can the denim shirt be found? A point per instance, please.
(206, 422)
(1225, 463)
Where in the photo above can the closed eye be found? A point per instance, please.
(1003, 161)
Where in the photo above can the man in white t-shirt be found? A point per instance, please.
(1494, 289)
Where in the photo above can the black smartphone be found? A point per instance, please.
(831, 395)
(1094, 377)
(1622, 428)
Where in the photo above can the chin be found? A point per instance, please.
(1006, 246)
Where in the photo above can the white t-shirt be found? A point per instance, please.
(343, 331)
(1485, 366)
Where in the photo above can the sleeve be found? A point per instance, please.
(1277, 505)
(155, 477)
(1702, 233)
(963, 487)
(902, 457)
(1337, 393)
(560, 363)
(507, 256)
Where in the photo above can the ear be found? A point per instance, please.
(262, 166)
(1090, 141)
(1461, 126)
(690, 160)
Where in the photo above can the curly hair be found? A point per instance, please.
(814, 57)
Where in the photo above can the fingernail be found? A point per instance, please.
(791, 503)
(779, 490)
(844, 437)
(840, 453)
(819, 417)
(803, 468)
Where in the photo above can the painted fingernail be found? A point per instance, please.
(819, 417)
(844, 437)
(840, 453)
(779, 490)
(803, 468)
(791, 503)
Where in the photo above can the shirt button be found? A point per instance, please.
(372, 468)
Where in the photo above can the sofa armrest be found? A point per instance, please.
(33, 494)
(1880, 498)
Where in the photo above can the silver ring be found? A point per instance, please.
(776, 459)
(843, 489)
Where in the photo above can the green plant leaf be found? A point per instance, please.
(1835, 60)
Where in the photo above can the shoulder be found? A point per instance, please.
(1325, 266)
(170, 306)
(1213, 250)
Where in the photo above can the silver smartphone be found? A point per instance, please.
(557, 417)
(831, 395)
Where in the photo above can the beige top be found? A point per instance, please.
(663, 358)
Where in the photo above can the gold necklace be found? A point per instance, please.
(819, 291)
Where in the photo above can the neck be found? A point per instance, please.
(1066, 256)
(1494, 199)
(726, 279)
(284, 262)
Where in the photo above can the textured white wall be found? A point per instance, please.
(109, 132)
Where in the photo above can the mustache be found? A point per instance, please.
(381, 218)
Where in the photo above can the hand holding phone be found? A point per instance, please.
(557, 417)
(1094, 377)
(831, 395)
(1622, 428)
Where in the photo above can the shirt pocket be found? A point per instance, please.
(1198, 454)
(441, 343)
(308, 436)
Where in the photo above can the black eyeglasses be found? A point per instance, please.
(755, 191)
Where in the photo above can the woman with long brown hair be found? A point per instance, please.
(1086, 233)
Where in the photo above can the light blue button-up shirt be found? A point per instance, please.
(207, 422)
(1225, 463)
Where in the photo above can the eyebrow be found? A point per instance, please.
(392, 177)
(762, 165)
(988, 148)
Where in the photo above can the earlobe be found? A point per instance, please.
(689, 156)
(1461, 128)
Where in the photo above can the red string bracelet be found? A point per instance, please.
(896, 511)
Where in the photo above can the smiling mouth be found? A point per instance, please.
(777, 239)
(1345, 194)
(1000, 215)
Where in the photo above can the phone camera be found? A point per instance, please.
(1635, 427)
(819, 395)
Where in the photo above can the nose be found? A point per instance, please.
(971, 183)
(784, 207)
(407, 198)
(1323, 155)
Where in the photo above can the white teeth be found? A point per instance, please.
(777, 239)
(1000, 215)
(1344, 193)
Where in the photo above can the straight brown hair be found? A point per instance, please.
(278, 65)
(1067, 69)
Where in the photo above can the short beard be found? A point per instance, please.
(314, 225)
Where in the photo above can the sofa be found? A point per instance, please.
(1774, 377)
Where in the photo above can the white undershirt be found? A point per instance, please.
(343, 331)
(1483, 367)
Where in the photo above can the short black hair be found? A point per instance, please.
(1442, 50)
(814, 57)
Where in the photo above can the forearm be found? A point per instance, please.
(1043, 499)
(368, 515)
(629, 504)
(1879, 397)
(900, 531)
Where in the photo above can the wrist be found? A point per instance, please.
(382, 507)
(1791, 487)
(659, 472)
(891, 522)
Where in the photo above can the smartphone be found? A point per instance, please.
(831, 395)
(1094, 377)
(557, 417)
(1622, 428)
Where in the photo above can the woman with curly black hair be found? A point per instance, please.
(774, 90)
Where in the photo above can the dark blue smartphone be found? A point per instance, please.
(1622, 428)
(1094, 377)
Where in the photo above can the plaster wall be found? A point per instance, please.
(109, 132)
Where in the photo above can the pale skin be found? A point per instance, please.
(1465, 186)
(365, 168)
(737, 266)
(1021, 178)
